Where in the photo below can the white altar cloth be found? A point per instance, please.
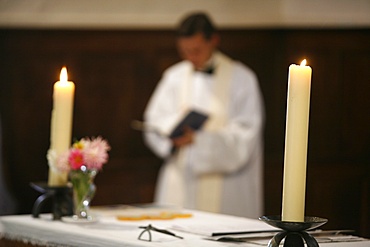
(108, 231)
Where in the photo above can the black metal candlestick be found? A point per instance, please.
(62, 204)
(294, 232)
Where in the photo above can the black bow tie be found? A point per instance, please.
(210, 70)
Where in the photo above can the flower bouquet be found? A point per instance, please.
(83, 161)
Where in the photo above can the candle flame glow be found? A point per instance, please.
(63, 75)
(303, 63)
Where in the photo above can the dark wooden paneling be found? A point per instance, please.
(116, 71)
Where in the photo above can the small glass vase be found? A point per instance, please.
(83, 192)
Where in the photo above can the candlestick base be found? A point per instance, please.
(62, 204)
(294, 232)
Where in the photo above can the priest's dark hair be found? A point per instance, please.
(196, 23)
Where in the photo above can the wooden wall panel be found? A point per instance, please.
(115, 73)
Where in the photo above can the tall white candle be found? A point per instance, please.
(61, 124)
(296, 139)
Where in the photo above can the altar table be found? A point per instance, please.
(111, 229)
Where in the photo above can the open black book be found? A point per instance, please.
(193, 120)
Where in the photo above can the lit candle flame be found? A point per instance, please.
(63, 75)
(303, 63)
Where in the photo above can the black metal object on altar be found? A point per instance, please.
(294, 232)
(60, 196)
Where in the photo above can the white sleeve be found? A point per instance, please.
(230, 148)
(160, 114)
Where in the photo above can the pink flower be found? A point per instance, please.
(95, 152)
(92, 153)
(63, 162)
(76, 159)
(58, 162)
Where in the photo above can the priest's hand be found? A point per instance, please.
(186, 139)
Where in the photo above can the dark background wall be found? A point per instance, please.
(115, 72)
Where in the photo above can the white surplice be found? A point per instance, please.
(223, 167)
